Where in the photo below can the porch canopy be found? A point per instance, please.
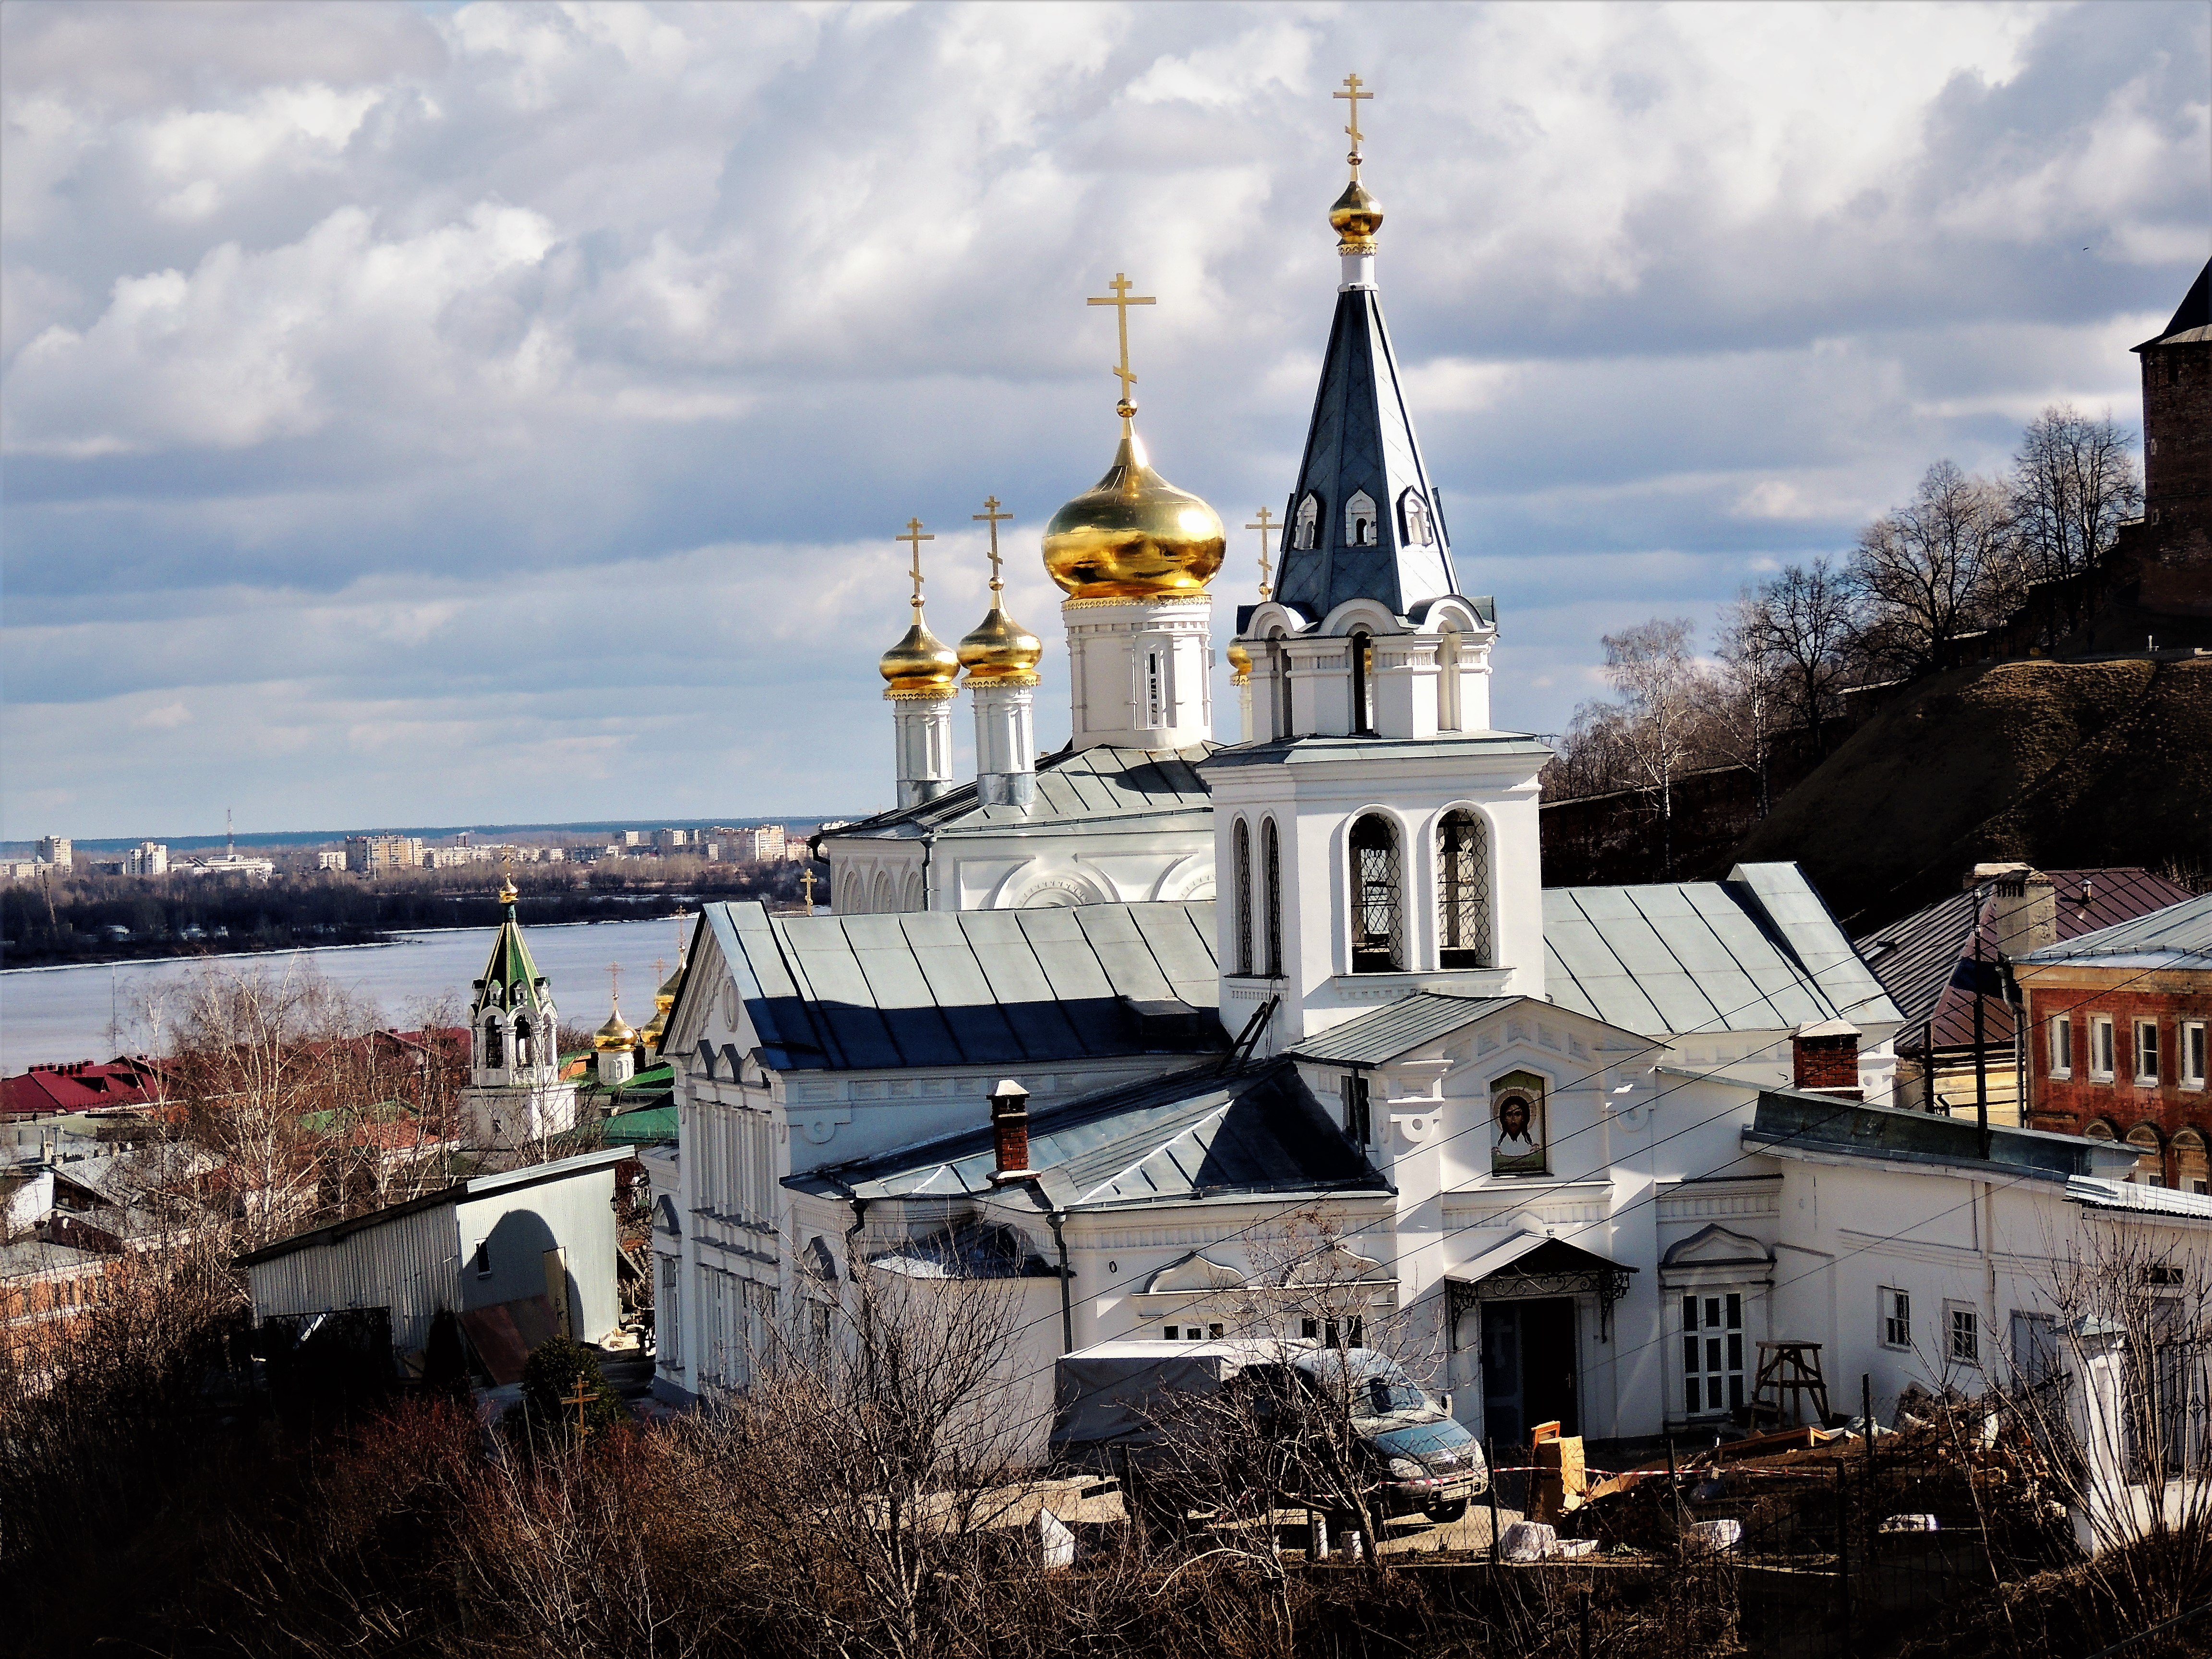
(1529, 1265)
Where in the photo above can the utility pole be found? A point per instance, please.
(1981, 1058)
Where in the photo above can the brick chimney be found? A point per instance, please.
(2023, 912)
(1824, 1059)
(1010, 1130)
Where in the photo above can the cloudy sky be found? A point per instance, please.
(438, 414)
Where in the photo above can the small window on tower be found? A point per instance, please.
(1413, 519)
(1359, 521)
(1308, 531)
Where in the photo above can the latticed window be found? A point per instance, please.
(1712, 1352)
(1243, 899)
(1463, 859)
(1377, 933)
(1272, 880)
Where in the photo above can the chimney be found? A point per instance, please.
(2024, 913)
(1824, 1059)
(1010, 1130)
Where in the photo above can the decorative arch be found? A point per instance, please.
(914, 899)
(494, 1043)
(1465, 929)
(879, 893)
(1241, 898)
(2098, 1129)
(2150, 1156)
(522, 1041)
(2191, 1172)
(1377, 865)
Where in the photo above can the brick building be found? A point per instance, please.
(2118, 1024)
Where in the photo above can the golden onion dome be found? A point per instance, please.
(664, 998)
(920, 665)
(1356, 217)
(1240, 661)
(1133, 535)
(507, 894)
(1000, 652)
(615, 1034)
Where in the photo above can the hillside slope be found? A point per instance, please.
(2063, 765)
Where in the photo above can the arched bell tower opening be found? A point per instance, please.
(1378, 896)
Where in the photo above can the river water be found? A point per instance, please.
(95, 1011)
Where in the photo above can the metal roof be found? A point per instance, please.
(1317, 750)
(1073, 786)
(973, 987)
(2178, 936)
(1757, 952)
(1789, 1121)
(1205, 1133)
(2191, 324)
(1371, 1039)
(1918, 959)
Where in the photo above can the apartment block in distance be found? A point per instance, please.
(372, 855)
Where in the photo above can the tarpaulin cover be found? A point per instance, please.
(1105, 1398)
(505, 1333)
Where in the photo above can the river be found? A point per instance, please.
(93, 1011)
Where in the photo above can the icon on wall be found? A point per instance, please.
(1516, 1125)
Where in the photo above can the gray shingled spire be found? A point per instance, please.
(1362, 440)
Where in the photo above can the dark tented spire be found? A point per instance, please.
(2195, 316)
(1362, 443)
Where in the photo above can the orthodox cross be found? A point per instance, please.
(581, 1399)
(1265, 523)
(995, 518)
(806, 880)
(916, 535)
(681, 917)
(614, 984)
(1353, 94)
(1122, 300)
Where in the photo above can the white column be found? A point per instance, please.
(1006, 743)
(923, 729)
(1244, 730)
(1406, 686)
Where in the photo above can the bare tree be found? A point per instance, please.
(1939, 568)
(1811, 624)
(1751, 683)
(2073, 481)
(1662, 692)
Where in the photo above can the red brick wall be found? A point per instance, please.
(2177, 391)
(2071, 1105)
(1825, 1062)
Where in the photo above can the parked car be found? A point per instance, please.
(1121, 1407)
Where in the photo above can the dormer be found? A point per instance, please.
(1359, 521)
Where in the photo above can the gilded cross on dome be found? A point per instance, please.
(1264, 525)
(1351, 94)
(995, 519)
(916, 535)
(1122, 300)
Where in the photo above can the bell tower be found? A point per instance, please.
(1373, 836)
(515, 1101)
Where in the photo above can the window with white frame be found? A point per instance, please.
(1962, 1333)
(2145, 1049)
(2101, 1048)
(2062, 1045)
(2192, 1047)
(1712, 1352)
(1896, 1315)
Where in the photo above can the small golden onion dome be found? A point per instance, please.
(649, 1037)
(1133, 535)
(664, 998)
(1000, 652)
(1240, 661)
(507, 894)
(920, 665)
(615, 1034)
(1356, 217)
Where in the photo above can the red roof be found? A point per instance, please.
(83, 1086)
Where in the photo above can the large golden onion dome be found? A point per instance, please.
(920, 665)
(1133, 535)
(1356, 217)
(1000, 652)
(615, 1034)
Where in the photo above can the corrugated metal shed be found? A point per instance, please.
(1918, 959)
(973, 987)
(1196, 1135)
(1757, 952)
(1073, 787)
(1373, 1038)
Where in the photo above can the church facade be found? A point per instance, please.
(1116, 1027)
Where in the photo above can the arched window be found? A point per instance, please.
(1378, 933)
(1307, 530)
(1243, 897)
(2190, 1173)
(1279, 677)
(522, 1042)
(2150, 1159)
(1359, 521)
(1363, 684)
(1413, 519)
(1271, 881)
(1448, 680)
(1463, 902)
(494, 1048)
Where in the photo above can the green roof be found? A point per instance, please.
(642, 1128)
(510, 962)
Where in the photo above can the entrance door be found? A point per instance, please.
(1529, 1368)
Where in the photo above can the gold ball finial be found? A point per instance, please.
(507, 892)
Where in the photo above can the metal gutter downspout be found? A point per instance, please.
(1053, 1219)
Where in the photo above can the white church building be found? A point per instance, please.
(1589, 1145)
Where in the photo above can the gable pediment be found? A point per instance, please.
(1194, 1273)
(1716, 1246)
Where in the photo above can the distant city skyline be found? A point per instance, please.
(414, 413)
